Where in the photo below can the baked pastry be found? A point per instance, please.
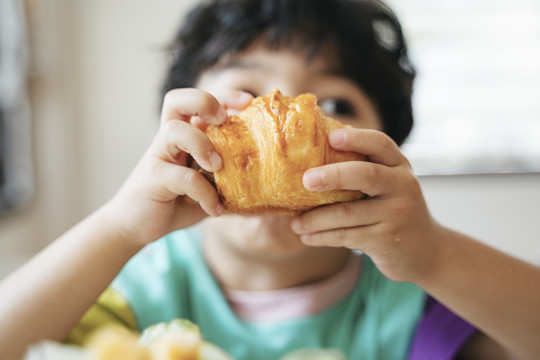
(179, 339)
(266, 149)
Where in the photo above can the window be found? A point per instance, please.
(16, 175)
(477, 94)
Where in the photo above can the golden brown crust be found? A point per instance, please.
(267, 148)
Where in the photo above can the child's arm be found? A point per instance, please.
(499, 294)
(45, 298)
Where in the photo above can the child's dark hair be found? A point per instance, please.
(365, 35)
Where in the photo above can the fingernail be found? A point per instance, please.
(221, 115)
(215, 160)
(219, 209)
(312, 178)
(337, 137)
(295, 224)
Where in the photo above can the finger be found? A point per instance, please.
(346, 214)
(180, 181)
(234, 99)
(351, 237)
(177, 137)
(182, 104)
(370, 178)
(364, 238)
(376, 145)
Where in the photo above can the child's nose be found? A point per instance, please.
(289, 89)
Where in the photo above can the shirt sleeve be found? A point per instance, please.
(110, 308)
(440, 333)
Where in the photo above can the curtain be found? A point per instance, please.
(16, 170)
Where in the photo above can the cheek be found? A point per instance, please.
(374, 124)
(373, 119)
(271, 235)
(370, 115)
(369, 120)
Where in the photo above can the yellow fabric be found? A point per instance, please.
(110, 308)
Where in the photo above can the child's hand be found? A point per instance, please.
(393, 225)
(152, 201)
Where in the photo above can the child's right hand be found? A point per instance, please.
(84, 260)
(152, 203)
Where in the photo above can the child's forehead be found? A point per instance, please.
(259, 55)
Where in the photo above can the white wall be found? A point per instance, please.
(97, 72)
(95, 81)
(502, 210)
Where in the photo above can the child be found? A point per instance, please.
(261, 286)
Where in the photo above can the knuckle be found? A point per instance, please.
(387, 143)
(413, 186)
(170, 96)
(207, 103)
(341, 235)
(338, 177)
(401, 206)
(372, 175)
(207, 197)
(409, 183)
(344, 210)
(174, 134)
(190, 177)
(304, 223)
(208, 98)
(359, 137)
(172, 127)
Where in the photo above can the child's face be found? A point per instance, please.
(258, 70)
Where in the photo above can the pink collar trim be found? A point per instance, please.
(297, 302)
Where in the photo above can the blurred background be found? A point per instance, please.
(79, 96)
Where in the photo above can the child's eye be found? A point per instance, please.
(252, 93)
(335, 107)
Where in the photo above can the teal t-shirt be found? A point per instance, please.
(170, 279)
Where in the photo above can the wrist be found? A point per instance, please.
(415, 258)
(437, 258)
(115, 231)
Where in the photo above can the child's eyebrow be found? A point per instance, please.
(233, 63)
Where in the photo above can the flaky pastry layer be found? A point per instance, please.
(267, 148)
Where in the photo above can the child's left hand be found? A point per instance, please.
(392, 225)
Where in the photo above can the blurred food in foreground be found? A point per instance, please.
(178, 340)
